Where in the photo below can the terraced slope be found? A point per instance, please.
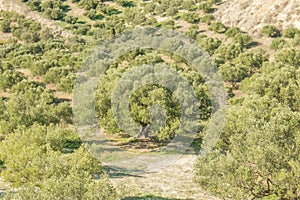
(252, 15)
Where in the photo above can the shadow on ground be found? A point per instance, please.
(116, 172)
(150, 197)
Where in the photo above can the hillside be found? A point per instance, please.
(252, 15)
(216, 77)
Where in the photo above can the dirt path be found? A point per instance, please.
(172, 182)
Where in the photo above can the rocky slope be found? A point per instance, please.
(252, 15)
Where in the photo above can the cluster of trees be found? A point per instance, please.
(258, 153)
(34, 131)
(8, 76)
(241, 67)
(36, 164)
(43, 51)
(147, 96)
(20, 27)
(209, 44)
(166, 8)
(30, 102)
(53, 9)
(257, 156)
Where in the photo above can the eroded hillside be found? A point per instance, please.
(252, 15)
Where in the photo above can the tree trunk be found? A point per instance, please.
(144, 133)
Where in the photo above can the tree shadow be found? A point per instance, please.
(61, 100)
(66, 8)
(253, 44)
(149, 197)
(128, 4)
(116, 172)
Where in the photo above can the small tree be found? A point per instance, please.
(233, 31)
(277, 44)
(217, 27)
(270, 31)
(291, 32)
(243, 39)
(5, 26)
(256, 158)
(234, 73)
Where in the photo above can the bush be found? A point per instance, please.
(5, 26)
(227, 52)
(217, 27)
(277, 44)
(188, 4)
(125, 3)
(233, 31)
(171, 11)
(53, 9)
(256, 158)
(208, 18)
(288, 57)
(149, 7)
(166, 24)
(34, 5)
(270, 31)
(88, 4)
(35, 164)
(291, 32)
(190, 17)
(206, 7)
(8, 76)
(70, 19)
(66, 84)
(55, 74)
(243, 39)
(78, 187)
(234, 73)
(31, 103)
(209, 44)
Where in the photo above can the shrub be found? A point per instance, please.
(277, 44)
(208, 18)
(88, 4)
(227, 52)
(234, 73)
(256, 158)
(34, 4)
(243, 39)
(125, 3)
(187, 4)
(233, 31)
(288, 57)
(34, 162)
(209, 44)
(217, 27)
(70, 19)
(5, 26)
(190, 17)
(171, 11)
(270, 31)
(53, 9)
(206, 7)
(291, 32)
(8, 76)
